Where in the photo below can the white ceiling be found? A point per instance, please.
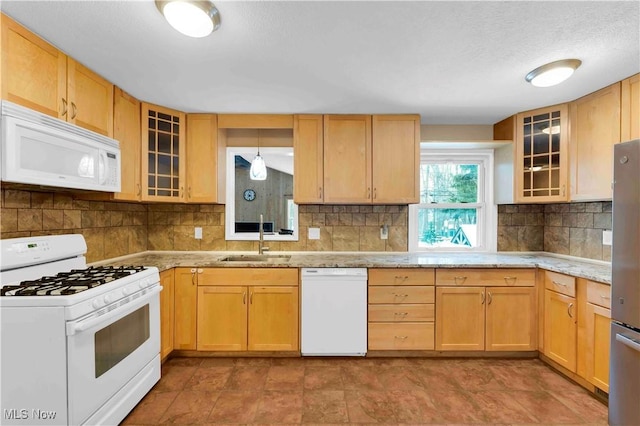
(453, 62)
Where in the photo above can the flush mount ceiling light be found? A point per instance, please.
(193, 18)
(553, 73)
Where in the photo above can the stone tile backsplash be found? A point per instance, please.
(573, 229)
(110, 229)
(115, 229)
(342, 228)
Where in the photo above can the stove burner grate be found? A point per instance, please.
(72, 282)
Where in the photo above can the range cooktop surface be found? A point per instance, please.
(72, 282)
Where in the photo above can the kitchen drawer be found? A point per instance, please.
(401, 294)
(401, 276)
(402, 313)
(560, 283)
(399, 336)
(249, 276)
(599, 294)
(486, 277)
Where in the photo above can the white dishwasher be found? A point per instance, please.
(334, 311)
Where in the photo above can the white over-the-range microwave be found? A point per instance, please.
(41, 150)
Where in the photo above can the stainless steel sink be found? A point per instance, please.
(267, 258)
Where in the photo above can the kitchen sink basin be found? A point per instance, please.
(266, 258)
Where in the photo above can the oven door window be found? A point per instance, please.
(119, 339)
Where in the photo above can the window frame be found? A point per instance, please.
(485, 207)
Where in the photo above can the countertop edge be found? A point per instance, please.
(165, 260)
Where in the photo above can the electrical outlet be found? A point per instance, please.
(384, 232)
(607, 237)
(198, 233)
(314, 233)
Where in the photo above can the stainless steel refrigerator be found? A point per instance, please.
(624, 376)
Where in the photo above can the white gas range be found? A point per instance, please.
(78, 345)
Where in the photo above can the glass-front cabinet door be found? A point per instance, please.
(163, 159)
(541, 155)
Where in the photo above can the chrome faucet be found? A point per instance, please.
(261, 247)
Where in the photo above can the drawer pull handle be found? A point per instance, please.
(559, 283)
(602, 296)
(462, 279)
(401, 337)
(400, 277)
(400, 295)
(404, 314)
(508, 279)
(569, 310)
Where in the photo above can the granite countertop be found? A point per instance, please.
(163, 260)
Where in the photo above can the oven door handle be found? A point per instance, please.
(75, 327)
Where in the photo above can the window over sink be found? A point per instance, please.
(247, 199)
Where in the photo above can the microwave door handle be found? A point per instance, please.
(104, 165)
(75, 327)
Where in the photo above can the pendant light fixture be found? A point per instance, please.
(258, 170)
(553, 73)
(193, 18)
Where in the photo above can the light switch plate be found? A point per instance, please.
(314, 233)
(607, 237)
(198, 233)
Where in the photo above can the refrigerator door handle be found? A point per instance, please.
(628, 342)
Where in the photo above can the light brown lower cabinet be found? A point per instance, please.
(247, 318)
(401, 309)
(485, 318)
(186, 296)
(166, 313)
(560, 330)
(236, 317)
(594, 332)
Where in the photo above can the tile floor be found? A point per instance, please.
(364, 391)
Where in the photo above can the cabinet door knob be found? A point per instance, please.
(64, 106)
(368, 193)
(139, 190)
(320, 192)
(244, 297)
(569, 310)
(482, 298)
(189, 192)
(490, 298)
(74, 110)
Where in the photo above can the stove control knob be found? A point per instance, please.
(126, 291)
(142, 284)
(96, 304)
(107, 299)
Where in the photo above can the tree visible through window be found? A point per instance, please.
(452, 209)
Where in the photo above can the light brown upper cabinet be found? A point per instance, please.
(126, 130)
(164, 154)
(366, 159)
(595, 128)
(541, 160)
(630, 116)
(396, 159)
(308, 173)
(202, 154)
(37, 75)
(347, 159)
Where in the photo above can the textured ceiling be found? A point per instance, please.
(453, 62)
